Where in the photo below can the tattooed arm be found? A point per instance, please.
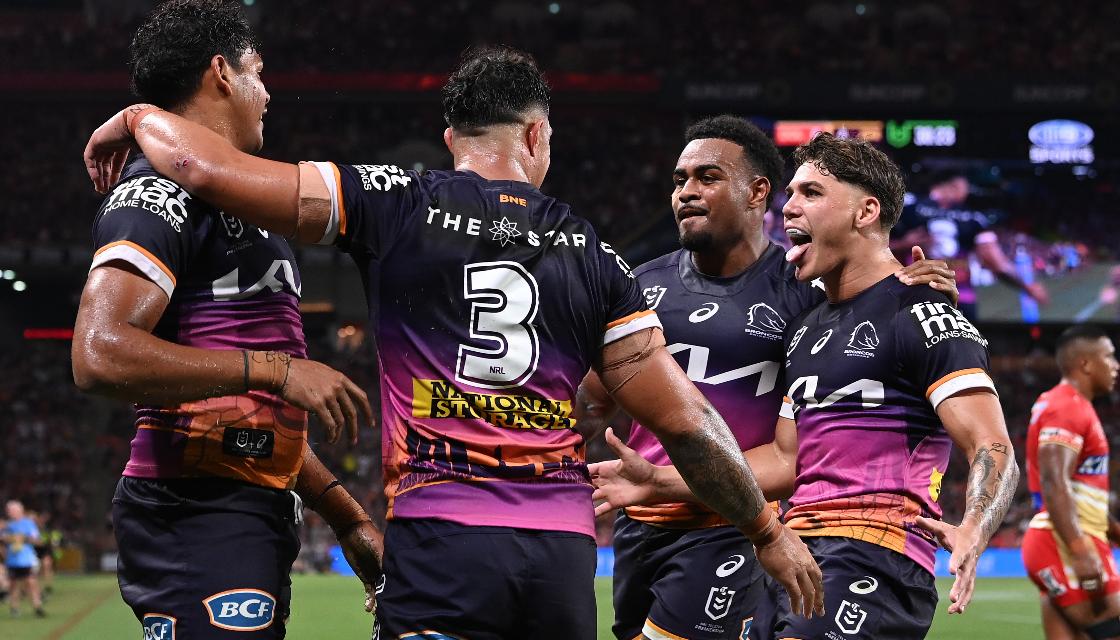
(645, 380)
(115, 354)
(974, 420)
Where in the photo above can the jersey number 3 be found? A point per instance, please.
(504, 301)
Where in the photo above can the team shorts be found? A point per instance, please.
(205, 558)
(448, 581)
(870, 592)
(20, 573)
(683, 583)
(1050, 573)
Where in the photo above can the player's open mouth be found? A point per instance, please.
(801, 241)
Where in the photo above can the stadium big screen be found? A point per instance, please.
(1039, 191)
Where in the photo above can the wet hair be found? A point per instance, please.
(493, 85)
(856, 162)
(1072, 338)
(174, 45)
(758, 148)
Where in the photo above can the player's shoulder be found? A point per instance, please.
(905, 297)
(1064, 399)
(667, 262)
(141, 188)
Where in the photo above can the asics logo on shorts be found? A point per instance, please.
(730, 567)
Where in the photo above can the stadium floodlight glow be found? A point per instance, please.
(9, 274)
(554, 8)
(19, 285)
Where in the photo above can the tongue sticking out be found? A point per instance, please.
(796, 251)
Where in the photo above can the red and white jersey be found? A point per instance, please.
(1065, 418)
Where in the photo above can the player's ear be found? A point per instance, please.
(760, 189)
(222, 73)
(449, 139)
(535, 136)
(868, 212)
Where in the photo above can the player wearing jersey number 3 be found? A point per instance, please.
(491, 301)
(1066, 550)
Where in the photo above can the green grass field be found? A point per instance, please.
(90, 608)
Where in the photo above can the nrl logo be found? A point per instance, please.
(653, 295)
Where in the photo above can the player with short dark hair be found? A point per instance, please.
(1066, 549)
(194, 315)
(20, 535)
(895, 369)
(491, 302)
(723, 301)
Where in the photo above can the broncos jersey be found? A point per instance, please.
(229, 286)
(1064, 417)
(727, 335)
(865, 378)
(491, 301)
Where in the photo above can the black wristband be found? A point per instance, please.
(245, 360)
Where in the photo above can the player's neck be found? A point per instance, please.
(1082, 387)
(214, 119)
(858, 274)
(722, 263)
(491, 164)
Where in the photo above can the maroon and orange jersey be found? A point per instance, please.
(229, 286)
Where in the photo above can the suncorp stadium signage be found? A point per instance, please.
(1061, 142)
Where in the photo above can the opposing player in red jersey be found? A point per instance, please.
(1066, 550)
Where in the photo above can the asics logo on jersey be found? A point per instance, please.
(731, 566)
(696, 368)
(653, 295)
(762, 317)
(707, 310)
(821, 342)
(504, 231)
(871, 392)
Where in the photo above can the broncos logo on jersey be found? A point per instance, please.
(864, 337)
(763, 318)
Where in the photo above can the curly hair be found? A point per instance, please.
(857, 162)
(763, 156)
(493, 85)
(174, 45)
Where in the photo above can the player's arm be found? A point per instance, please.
(632, 480)
(973, 419)
(991, 255)
(263, 192)
(595, 408)
(115, 354)
(640, 374)
(935, 273)
(361, 541)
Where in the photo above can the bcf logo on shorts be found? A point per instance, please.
(158, 626)
(241, 609)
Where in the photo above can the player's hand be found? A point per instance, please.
(361, 546)
(1037, 291)
(935, 273)
(107, 150)
(965, 545)
(334, 398)
(620, 483)
(1086, 564)
(789, 561)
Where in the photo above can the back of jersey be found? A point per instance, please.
(491, 302)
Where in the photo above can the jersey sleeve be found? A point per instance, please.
(627, 311)
(146, 222)
(368, 202)
(941, 351)
(1062, 424)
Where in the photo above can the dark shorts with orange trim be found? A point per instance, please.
(1047, 570)
(205, 558)
(870, 593)
(684, 583)
(448, 581)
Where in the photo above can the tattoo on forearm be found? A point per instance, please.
(991, 486)
(712, 465)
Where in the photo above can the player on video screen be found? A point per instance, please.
(949, 229)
